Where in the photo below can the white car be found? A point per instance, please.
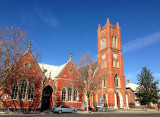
(64, 108)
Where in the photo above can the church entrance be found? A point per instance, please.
(46, 98)
(118, 100)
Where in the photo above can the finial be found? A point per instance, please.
(108, 21)
(71, 54)
(117, 24)
(99, 26)
(29, 45)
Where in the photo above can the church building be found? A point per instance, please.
(54, 82)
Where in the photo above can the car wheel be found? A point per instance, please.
(59, 111)
(73, 111)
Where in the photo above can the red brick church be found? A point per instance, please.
(111, 62)
(53, 87)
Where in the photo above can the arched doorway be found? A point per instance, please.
(47, 98)
(119, 99)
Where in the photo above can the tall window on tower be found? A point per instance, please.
(114, 63)
(114, 41)
(102, 65)
(116, 80)
(105, 63)
(104, 82)
(103, 43)
(117, 64)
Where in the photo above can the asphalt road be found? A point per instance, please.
(90, 115)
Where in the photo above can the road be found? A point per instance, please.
(90, 115)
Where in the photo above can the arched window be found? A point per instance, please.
(105, 63)
(23, 90)
(113, 63)
(63, 94)
(113, 41)
(69, 94)
(117, 64)
(31, 93)
(116, 42)
(103, 43)
(75, 95)
(116, 80)
(102, 65)
(14, 92)
(101, 46)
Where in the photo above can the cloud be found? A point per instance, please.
(141, 42)
(45, 15)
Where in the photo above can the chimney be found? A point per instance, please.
(128, 81)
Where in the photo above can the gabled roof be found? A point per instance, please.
(24, 54)
(53, 71)
(133, 87)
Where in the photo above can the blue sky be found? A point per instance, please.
(59, 26)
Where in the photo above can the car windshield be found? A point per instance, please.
(65, 106)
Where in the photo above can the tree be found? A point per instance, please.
(89, 77)
(13, 44)
(147, 90)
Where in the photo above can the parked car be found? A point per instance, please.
(64, 108)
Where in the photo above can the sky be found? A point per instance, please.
(59, 26)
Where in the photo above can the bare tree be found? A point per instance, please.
(13, 44)
(89, 77)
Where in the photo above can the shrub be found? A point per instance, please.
(131, 105)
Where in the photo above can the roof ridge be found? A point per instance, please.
(51, 65)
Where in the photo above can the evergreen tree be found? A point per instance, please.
(147, 91)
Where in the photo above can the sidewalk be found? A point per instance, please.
(124, 111)
(85, 112)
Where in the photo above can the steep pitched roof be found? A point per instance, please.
(24, 54)
(51, 70)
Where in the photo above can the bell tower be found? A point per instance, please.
(109, 47)
(110, 63)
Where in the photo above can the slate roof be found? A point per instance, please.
(51, 70)
(133, 87)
